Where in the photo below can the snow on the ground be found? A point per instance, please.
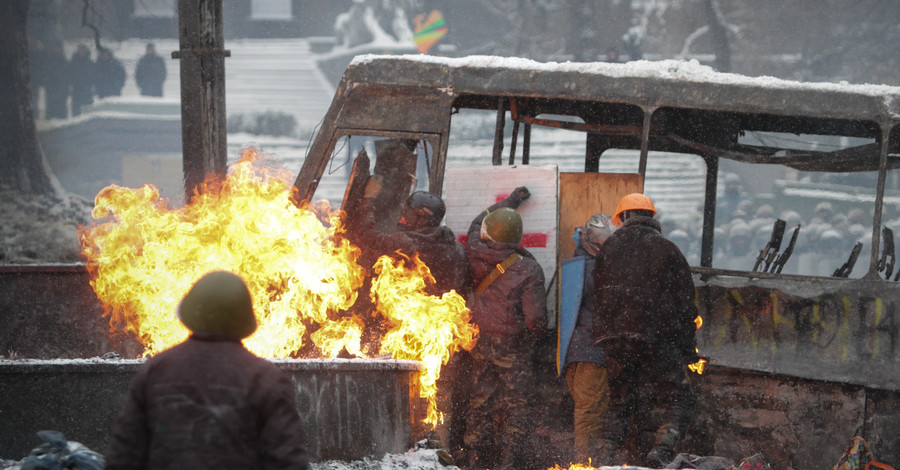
(42, 228)
(421, 459)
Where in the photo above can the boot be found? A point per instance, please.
(663, 452)
(474, 460)
(607, 454)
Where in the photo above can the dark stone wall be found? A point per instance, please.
(350, 408)
(795, 423)
(51, 312)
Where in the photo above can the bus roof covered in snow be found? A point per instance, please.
(671, 109)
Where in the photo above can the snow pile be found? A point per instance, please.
(420, 459)
(39, 229)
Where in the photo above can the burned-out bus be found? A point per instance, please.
(810, 291)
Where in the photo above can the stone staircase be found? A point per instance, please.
(261, 75)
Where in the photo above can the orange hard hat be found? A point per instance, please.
(630, 202)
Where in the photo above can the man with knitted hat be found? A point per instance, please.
(208, 402)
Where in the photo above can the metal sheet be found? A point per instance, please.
(571, 285)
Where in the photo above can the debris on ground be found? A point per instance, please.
(416, 459)
(58, 453)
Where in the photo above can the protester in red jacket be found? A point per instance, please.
(208, 402)
(510, 309)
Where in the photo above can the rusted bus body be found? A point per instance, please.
(816, 326)
(842, 333)
(780, 322)
(810, 358)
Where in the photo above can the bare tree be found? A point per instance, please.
(719, 32)
(23, 165)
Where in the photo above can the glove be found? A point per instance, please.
(518, 196)
(576, 236)
(373, 187)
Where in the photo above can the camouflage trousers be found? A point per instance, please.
(453, 391)
(500, 418)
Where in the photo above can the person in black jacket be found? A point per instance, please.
(420, 233)
(150, 72)
(56, 82)
(81, 77)
(644, 315)
(109, 76)
(208, 402)
(510, 309)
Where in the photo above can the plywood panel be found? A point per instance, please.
(582, 195)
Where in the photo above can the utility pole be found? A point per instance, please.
(203, 124)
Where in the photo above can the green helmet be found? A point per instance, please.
(502, 225)
(219, 303)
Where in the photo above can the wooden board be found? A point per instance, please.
(582, 195)
(469, 190)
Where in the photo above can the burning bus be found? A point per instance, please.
(797, 304)
(802, 341)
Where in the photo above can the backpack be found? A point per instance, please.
(858, 456)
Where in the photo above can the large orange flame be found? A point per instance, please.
(303, 275)
(402, 299)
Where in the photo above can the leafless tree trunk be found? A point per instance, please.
(22, 162)
(719, 35)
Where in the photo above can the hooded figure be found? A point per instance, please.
(208, 402)
(585, 365)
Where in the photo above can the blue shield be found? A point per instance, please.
(571, 285)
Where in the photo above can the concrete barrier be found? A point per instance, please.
(350, 408)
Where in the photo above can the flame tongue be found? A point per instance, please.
(300, 271)
(425, 328)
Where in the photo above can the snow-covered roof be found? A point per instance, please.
(652, 83)
(680, 70)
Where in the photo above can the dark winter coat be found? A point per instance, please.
(150, 74)
(81, 76)
(644, 291)
(56, 85)
(208, 403)
(515, 304)
(109, 77)
(437, 248)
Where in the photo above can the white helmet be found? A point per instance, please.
(595, 232)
